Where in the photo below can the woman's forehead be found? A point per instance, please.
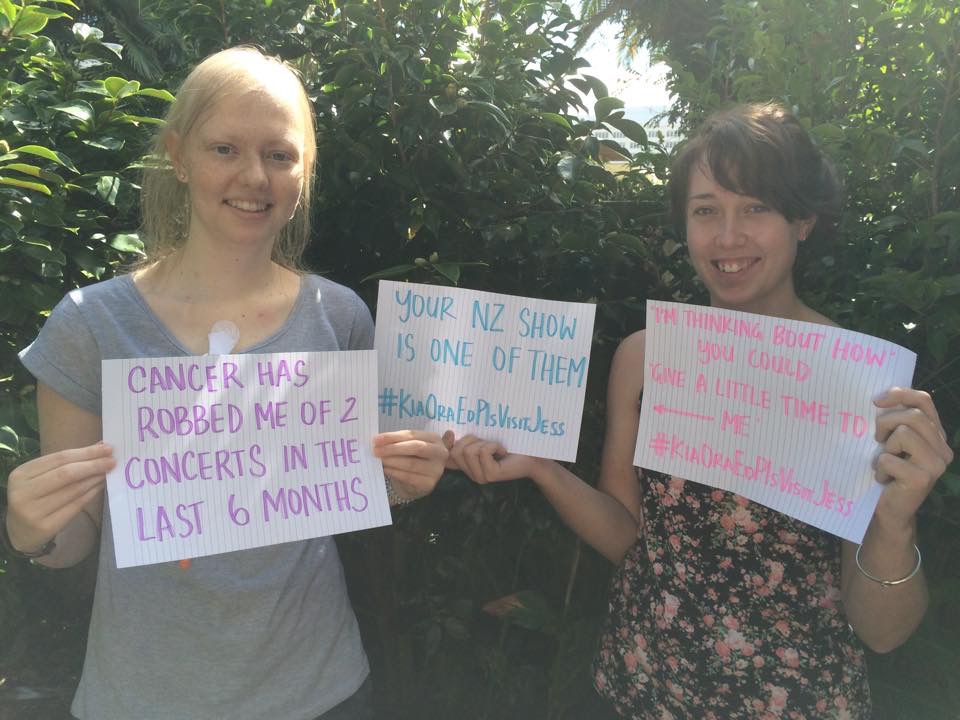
(256, 111)
(702, 184)
(722, 172)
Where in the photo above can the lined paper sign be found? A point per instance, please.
(501, 367)
(778, 411)
(221, 453)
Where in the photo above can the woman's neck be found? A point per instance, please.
(783, 304)
(198, 275)
(189, 293)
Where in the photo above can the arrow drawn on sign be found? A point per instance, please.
(663, 409)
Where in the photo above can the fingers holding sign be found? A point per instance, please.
(414, 460)
(487, 461)
(914, 452)
(45, 494)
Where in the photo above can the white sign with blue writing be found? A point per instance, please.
(501, 367)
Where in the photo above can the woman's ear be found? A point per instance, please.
(174, 144)
(805, 227)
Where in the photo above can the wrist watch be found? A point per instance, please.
(42, 551)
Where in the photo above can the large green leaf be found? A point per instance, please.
(588, 84)
(9, 441)
(158, 93)
(78, 109)
(26, 184)
(451, 271)
(44, 152)
(127, 242)
(558, 120)
(33, 171)
(9, 11)
(606, 105)
(119, 88)
(631, 129)
(391, 272)
(41, 251)
(32, 19)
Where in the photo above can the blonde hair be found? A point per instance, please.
(164, 200)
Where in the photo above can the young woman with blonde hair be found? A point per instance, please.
(261, 633)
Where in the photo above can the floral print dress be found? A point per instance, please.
(725, 609)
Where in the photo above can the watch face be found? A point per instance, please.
(45, 550)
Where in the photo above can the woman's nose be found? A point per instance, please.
(254, 173)
(731, 233)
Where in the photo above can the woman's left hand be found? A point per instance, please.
(413, 460)
(914, 452)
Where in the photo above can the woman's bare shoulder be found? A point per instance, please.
(812, 316)
(626, 372)
(632, 346)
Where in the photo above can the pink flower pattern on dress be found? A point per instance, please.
(726, 609)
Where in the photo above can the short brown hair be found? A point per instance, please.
(763, 151)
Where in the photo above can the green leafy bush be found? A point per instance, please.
(452, 150)
(69, 132)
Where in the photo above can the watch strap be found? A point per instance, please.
(42, 551)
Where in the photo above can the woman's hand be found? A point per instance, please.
(45, 494)
(600, 519)
(485, 461)
(914, 456)
(414, 460)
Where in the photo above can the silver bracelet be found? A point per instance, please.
(889, 583)
(393, 497)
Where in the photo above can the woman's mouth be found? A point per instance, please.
(248, 205)
(729, 267)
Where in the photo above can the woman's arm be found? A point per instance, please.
(618, 475)
(59, 495)
(915, 454)
(605, 518)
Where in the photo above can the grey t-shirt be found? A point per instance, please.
(261, 633)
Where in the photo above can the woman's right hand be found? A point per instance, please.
(487, 461)
(45, 494)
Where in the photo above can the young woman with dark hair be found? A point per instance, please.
(723, 608)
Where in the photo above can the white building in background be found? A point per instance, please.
(659, 130)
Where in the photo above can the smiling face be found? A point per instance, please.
(741, 248)
(243, 163)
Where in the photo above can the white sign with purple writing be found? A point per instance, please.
(222, 453)
(504, 368)
(778, 411)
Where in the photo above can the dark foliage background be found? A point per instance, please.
(451, 151)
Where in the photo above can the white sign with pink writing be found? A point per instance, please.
(223, 453)
(778, 411)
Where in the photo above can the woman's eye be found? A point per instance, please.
(702, 211)
(222, 149)
(280, 156)
(759, 208)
